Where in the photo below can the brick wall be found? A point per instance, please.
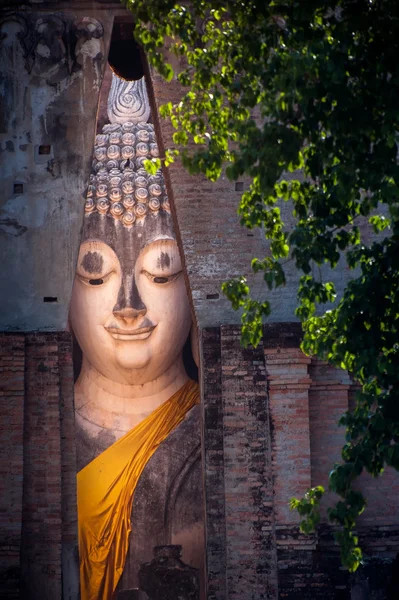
(69, 550)
(328, 401)
(213, 460)
(270, 432)
(12, 368)
(38, 516)
(250, 518)
(381, 492)
(240, 529)
(288, 382)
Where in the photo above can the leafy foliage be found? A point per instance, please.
(284, 85)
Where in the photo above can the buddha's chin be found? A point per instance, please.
(131, 363)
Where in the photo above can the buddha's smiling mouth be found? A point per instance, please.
(141, 333)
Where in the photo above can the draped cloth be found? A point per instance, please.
(105, 495)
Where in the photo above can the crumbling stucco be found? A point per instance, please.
(51, 68)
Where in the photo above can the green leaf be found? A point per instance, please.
(152, 166)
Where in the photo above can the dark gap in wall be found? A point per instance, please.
(124, 54)
(45, 149)
(239, 186)
(188, 361)
(18, 188)
(77, 357)
(212, 296)
(50, 299)
(250, 235)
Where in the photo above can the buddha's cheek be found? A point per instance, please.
(169, 308)
(89, 311)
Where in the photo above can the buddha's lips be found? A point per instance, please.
(139, 333)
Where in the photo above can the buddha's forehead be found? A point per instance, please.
(128, 242)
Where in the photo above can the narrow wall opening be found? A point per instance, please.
(136, 388)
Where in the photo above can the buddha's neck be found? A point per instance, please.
(104, 404)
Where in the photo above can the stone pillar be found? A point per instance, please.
(328, 401)
(288, 384)
(240, 530)
(250, 533)
(12, 364)
(288, 381)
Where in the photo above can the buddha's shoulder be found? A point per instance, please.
(189, 426)
(173, 451)
(172, 476)
(181, 448)
(89, 446)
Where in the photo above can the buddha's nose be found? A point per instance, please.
(129, 304)
(129, 313)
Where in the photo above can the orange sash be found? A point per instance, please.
(105, 495)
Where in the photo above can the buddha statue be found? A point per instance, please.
(137, 413)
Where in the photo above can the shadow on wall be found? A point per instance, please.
(377, 579)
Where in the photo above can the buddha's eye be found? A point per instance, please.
(96, 281)
(161, 279)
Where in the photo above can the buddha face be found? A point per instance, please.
(129, 308)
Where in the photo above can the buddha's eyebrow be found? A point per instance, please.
(163, 261)
(92, 262)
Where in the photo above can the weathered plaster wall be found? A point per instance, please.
(215, 246)
(51, 67)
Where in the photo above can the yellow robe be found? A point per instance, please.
(105, 495)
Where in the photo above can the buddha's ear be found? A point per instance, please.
(195, 343)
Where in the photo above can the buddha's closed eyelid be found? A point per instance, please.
(161, 278)
(94, 281)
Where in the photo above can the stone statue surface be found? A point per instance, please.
(131, 317)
